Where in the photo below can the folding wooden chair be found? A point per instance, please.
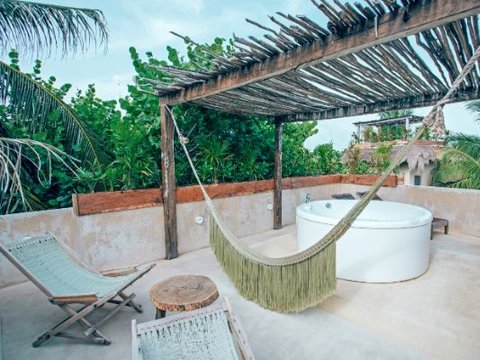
(211, 333)
(61, 275)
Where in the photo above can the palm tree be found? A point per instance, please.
(41, 29)
(460, 163)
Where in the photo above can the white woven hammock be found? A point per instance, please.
(54, 269)
(212, 333)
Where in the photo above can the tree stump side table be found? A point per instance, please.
(182, 293)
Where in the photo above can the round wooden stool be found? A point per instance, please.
(182, 293)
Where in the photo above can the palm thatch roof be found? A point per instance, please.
(412, 119)
(361, 57)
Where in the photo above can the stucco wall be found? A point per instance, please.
(131, 237)
(460, 207)
(17, 226)
(409, 176)
(127, 238)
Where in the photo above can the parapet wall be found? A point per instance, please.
(124, 232)
(460, 207)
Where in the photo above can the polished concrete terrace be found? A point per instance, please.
(436, 316)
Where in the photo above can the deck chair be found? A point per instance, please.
(211, 333)
(61, 275)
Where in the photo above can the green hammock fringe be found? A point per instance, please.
(290, 288)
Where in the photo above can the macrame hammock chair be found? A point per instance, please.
(296, 282)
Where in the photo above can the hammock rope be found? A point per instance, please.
(304, 279)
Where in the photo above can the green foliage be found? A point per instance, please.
(43, 28)
(354, 164)
(42, 134)
(460, 163)
(378, 162)
(395, 113)
(34, 109)
(383, 133)
(380, 159)
(224, 147)
(369, 134)
(474, 106)
(329, 159)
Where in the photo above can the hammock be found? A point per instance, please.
(296, 282)
(212, 333)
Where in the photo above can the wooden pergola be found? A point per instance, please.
(371, 56)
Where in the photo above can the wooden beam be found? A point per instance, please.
(105, 202)
(168, 183)
(390, 27)
(277, 191)
(404, 103)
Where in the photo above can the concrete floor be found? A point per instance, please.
(436, 316)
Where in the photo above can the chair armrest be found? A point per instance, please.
(119, 272)
(72, 299)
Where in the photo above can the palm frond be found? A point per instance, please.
(474, 106)
(33, 104)
(467, 143)
(460, 163)
(36, 29)
(15, 156)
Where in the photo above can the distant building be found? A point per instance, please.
(404, 122)
(417, 166)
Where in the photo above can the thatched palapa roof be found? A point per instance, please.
(363, 57)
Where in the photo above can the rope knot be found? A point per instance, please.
(183, 139)
(433, 116)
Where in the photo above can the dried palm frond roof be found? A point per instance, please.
(422, 153)
(412, 119)
(364, 57)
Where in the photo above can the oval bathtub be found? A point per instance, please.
(388, 242)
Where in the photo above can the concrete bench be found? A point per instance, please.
(345, 196)
(439, 223)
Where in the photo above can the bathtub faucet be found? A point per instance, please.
(309, 197)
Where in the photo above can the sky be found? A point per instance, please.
(145, 24)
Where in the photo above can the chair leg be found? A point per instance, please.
(95, 333)
(80, 336)
(74, 317)
(91, 332)
(131, 303)
(93, 328)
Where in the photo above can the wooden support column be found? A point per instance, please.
(168, 183)
(277, 191)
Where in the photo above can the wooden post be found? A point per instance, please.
(168, 183)
(277, 191)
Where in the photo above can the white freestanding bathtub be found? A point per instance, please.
(388, 242)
